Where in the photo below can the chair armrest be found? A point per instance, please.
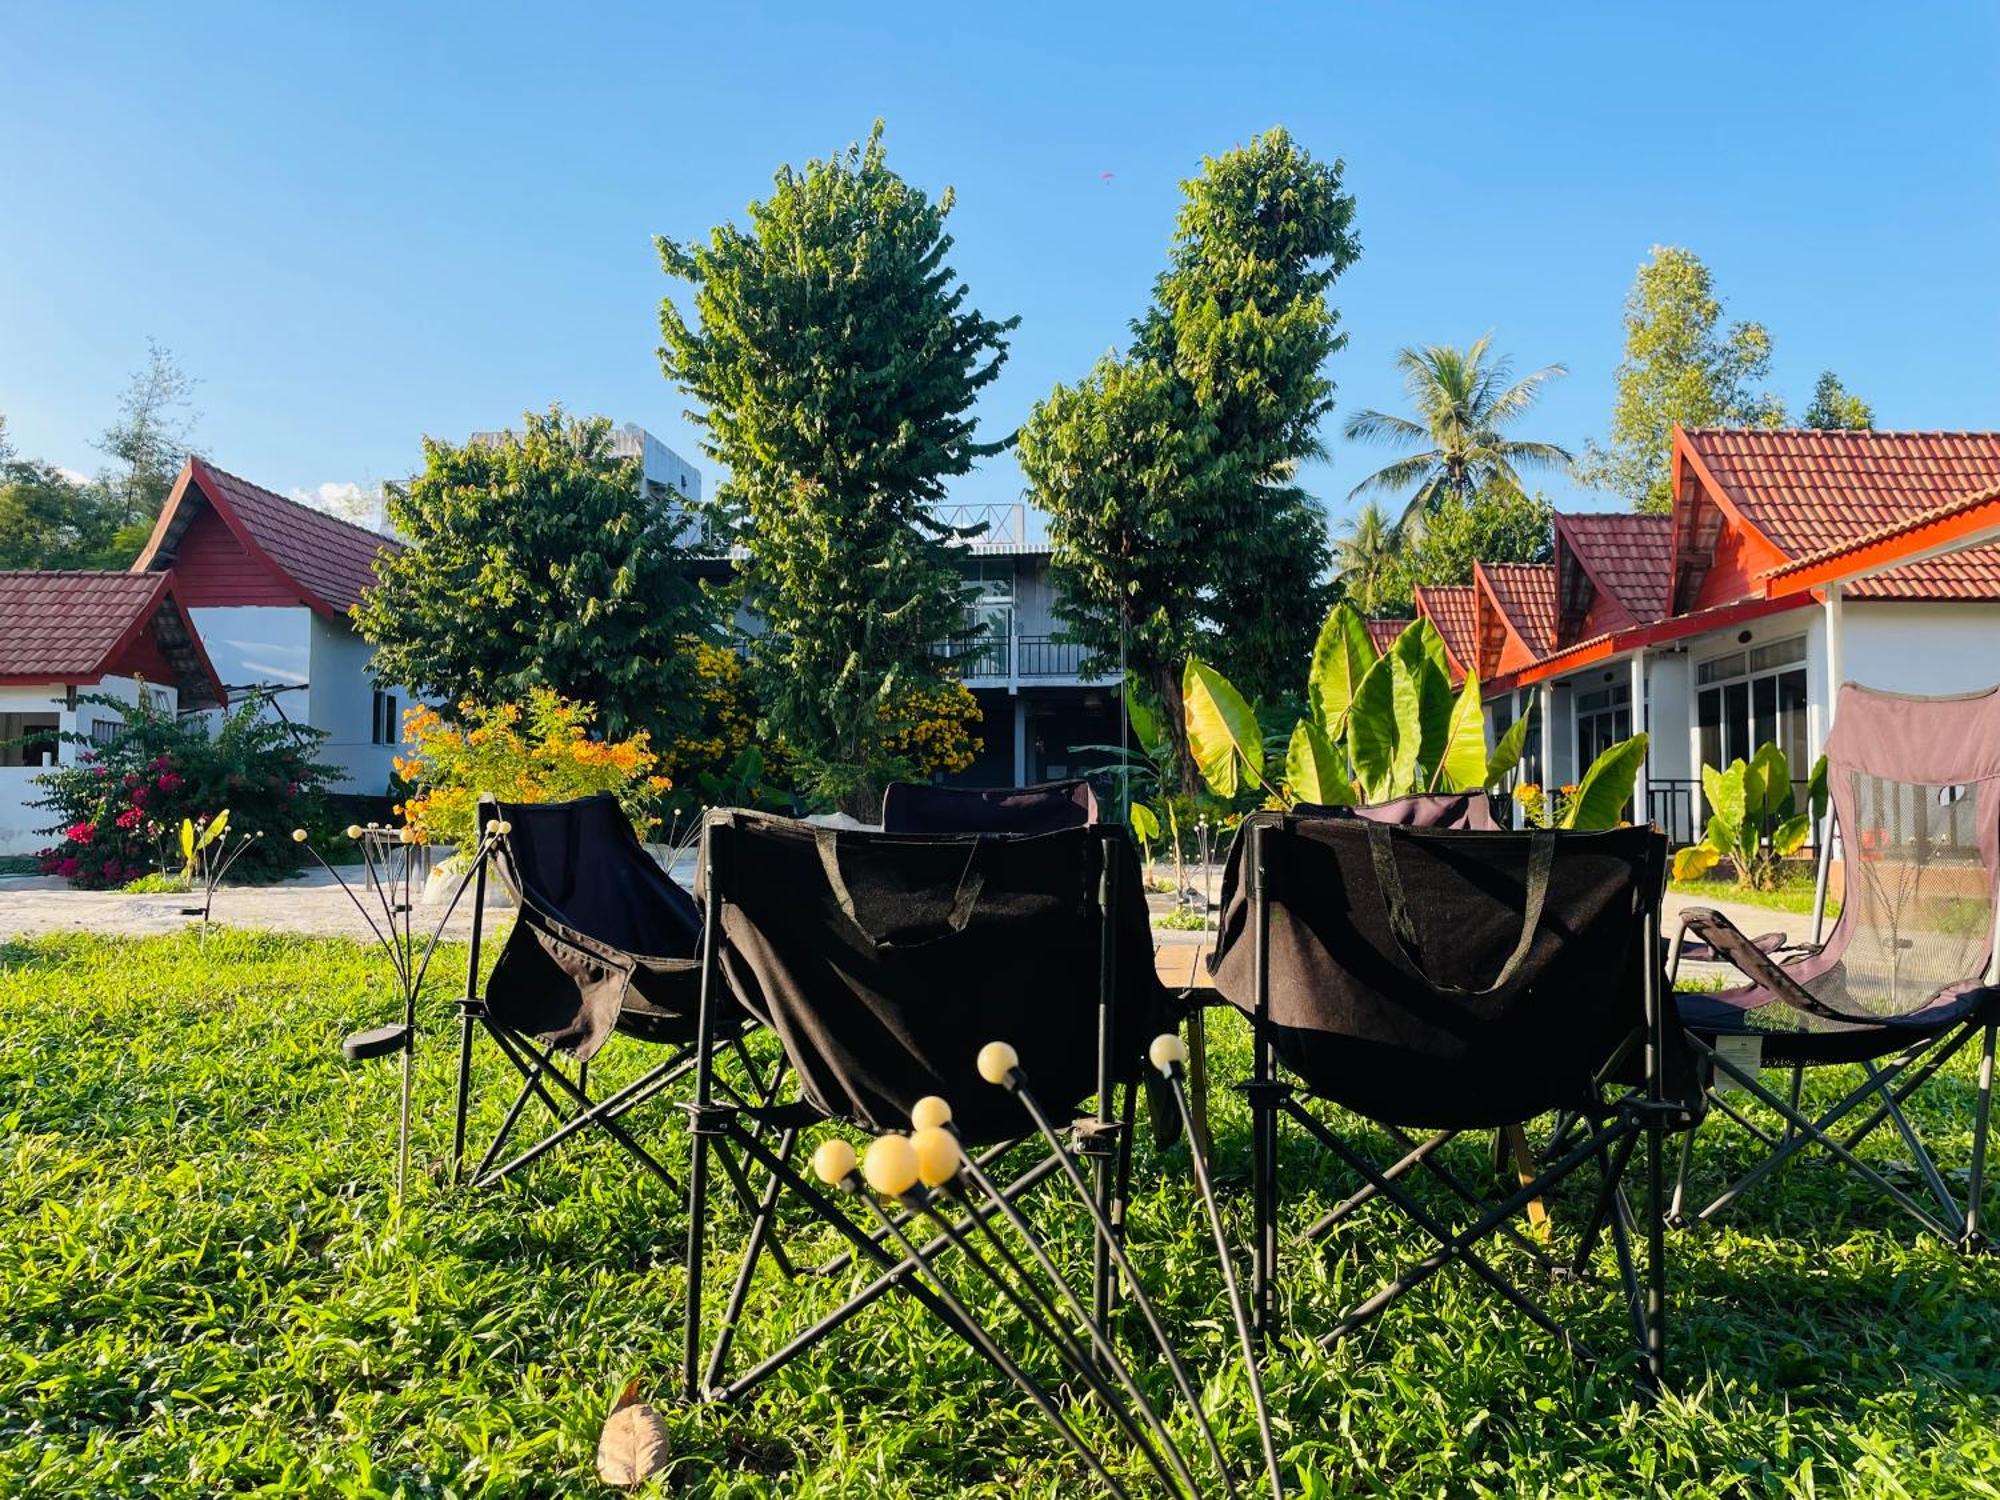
(1724, 938)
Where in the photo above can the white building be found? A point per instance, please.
(65, 637)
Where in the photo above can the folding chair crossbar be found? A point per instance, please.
(1803, 1131)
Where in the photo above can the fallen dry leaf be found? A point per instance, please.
(633, 1446)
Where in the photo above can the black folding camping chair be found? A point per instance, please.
(927, 807)
(1435, 981)
(899, 971)
(604, 942)
(1905, 980)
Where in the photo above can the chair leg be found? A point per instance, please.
(1656, 1259)
(1975, 1188)
(464, 1102)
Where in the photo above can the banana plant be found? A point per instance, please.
(1754, 820)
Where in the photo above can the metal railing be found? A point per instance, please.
(1022, 658)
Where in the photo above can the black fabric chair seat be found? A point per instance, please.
(1736, 1013)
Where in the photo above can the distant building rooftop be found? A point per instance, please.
(662, 470)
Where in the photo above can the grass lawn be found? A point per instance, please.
(1794, 892)
(204, 1290)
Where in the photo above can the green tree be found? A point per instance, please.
(48, 520)
(1169, 473)
(1497, 525)
(1368, 561)
(837, 365)
(153, 434)
(1833, 406)
(1682, 365)
(534, 561)
(1463, 399)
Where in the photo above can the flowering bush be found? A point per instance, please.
(538, 751)
(1544, 808)
(936, 735)
(117, 812)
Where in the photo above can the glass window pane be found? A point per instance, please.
(1736, 721)
(1778, 653)
(1721, 669)
(1763, 710)
(1709, 716)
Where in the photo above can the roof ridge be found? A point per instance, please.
(312, 510)
(72, 573)
(1853, 432)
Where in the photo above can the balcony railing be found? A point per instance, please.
(1019, 658)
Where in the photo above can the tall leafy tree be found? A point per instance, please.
(48, 520)
(1169, 473)
(153, 434)
(535, 561)
(1499, 524)
(1834, 406)
(837, 363)
(1463, 399)
(1682, 365)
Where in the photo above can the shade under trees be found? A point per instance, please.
(1682, 365)
(836, 362)
(1169, 473)
(535, 561)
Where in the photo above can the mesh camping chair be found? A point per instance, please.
(886, 964)
(1436, 981)
(924, 807)
(603, 942)
(1904, 981)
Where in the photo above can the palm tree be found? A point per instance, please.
(1366, 557)
(1462, 401)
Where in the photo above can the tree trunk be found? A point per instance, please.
(1166, 683)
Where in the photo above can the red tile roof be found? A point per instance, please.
(1810, 492)
(1454, 609)
(326, 560)
(1628, 556)
(1526, 594)
(76, 628)
(1383, 633)
(1974, 514)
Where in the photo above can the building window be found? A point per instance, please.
(28, 739)
(105, 731)
(1603, 719)
(388, 724)
(1751, 698)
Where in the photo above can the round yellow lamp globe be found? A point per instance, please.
(1167, 1052)
(833, 1161)
(937, 1155)
(996, 1061)
(930, 1112)
(890, 1165)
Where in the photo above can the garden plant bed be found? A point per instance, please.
(205, 1288)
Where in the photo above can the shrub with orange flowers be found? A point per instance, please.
(936, 735)
(537, 751)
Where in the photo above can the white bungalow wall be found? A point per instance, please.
(21, 823)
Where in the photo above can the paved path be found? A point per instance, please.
(313, 904)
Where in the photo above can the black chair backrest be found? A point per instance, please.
(1445, 978)
(884, 962)
(580, 863)
(923, 807)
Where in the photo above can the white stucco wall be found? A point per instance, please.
(1921, 648)
(21, 824)
(342, 702)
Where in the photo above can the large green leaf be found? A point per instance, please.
(1145, 823)
(1726, 796)
(1462, 766)
(1145, 723)
(1341, 656)
(1315, 768)
(1694, 861)
(1790, 836)
(1222, 731)
(215, 830)
(1816, 792)
(1773, 786)
(1607, 786)
(1372, 731)
(1425, 699)
(1406, 686)
(1507, 754)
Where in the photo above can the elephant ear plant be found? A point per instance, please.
(1754, 820)
(1381, 725)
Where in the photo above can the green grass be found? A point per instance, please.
(1794, 892)
(204, 1289)
(19, 864)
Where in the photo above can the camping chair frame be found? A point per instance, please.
(1634, 1115)
(719, 1127)
(1889, 1078)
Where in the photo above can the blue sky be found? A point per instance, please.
(360, 224)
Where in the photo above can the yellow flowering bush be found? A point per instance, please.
(728, 716)
(936, 734)
(538, 751)
(1544, 808)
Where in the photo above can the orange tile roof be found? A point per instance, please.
(1810, 492)
(1969, 515)
(1627, 556)
(1454, 609)
(1526, 593)
(1383, 633)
